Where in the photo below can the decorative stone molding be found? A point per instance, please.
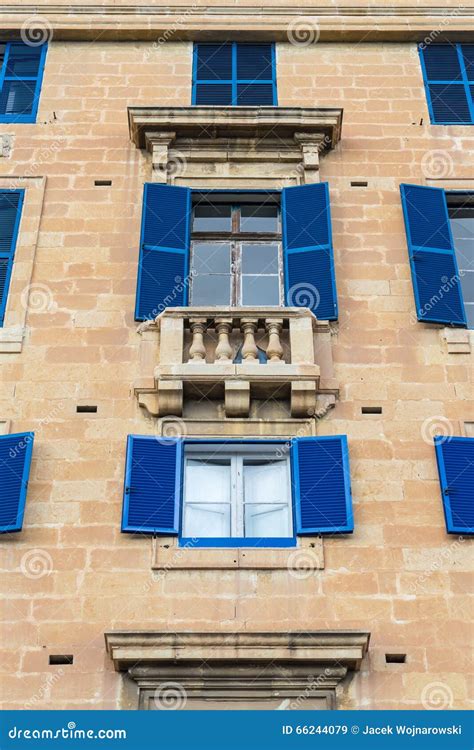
(191, 351)
(5, 426)
(248, 427)
(183, 141)
(21, 290)
(240, 670)
(152, 23)
(458, 340)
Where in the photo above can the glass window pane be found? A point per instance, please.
(258, 218)
(259, 258)
(17, 97)
(210, 290)
(463, 228)
(267, 521)
(207, 482)
(470, 315)
(206, 520)
(266, 482)
(260, 290)
(212, 218)
(467, 285)
(211, 257)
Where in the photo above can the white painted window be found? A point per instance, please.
(239, 491)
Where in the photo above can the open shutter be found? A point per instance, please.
(455, 457)
(321, 485)
(20, 81)
(434, 270)
(10, 211)
(307, 244)
(152, 488)
(164, 249)
(15, 460)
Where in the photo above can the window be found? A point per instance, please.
(15, 460)
(236, 256)
(243, 248)
(234, 73)
(461, 216)
(21, 75)
(448, 72)
(236, 492)
(455, 458)
(10, 210)
(437, 282)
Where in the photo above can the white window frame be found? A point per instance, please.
(237, 455)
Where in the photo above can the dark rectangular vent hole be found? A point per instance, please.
(86, 409)
(395, 658)
(61, 659)
(359, 183)
(102, 183)
(371, 410)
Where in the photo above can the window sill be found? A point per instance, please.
(11, 339)
(168, 554)
(236, 542)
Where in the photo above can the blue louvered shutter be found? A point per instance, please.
(446, 73)
(15, 460)
(434, 270)
(308, 254)
(213, 67)
(455, 458)
(152, 487)
(321, 485)
(164, 250)
(20, 81)
(10, 211)
(256, 84)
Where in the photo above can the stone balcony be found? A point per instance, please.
(235, 355)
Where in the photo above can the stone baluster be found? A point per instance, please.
(274, 349)
(197, 351)
(223, 349)
(249, 347)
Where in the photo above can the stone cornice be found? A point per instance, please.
(189, 22)
(130, 648)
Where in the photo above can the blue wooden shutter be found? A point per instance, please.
(321, 485)
(307, 244)
(213, 73)
(164, 250)
(446, 75)
(434, 269)
(10, 211)
(455, 457)
(152, 490)
(256, 76)
(15, 460)
(20, 81)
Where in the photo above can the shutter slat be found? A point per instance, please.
(321, 484)
(308, 253)
(435, 274)
(152, 485)
(164, 249)
(15, 460)
(455, 458)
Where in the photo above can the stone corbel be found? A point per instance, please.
(311, 144)
(158, 145)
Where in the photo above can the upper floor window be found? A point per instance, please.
(236, 256)
(448, 72)
(461, 216)
(234, 73)
(21, 75)
(11, 202)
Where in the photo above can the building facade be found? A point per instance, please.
(237, 424)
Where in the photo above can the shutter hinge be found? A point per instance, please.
(446, 491)
(128, 490)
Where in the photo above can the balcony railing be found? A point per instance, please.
(234, 355)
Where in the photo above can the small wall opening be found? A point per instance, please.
(55, 659)
(395, 658)
(86, 409)
(371, 410)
